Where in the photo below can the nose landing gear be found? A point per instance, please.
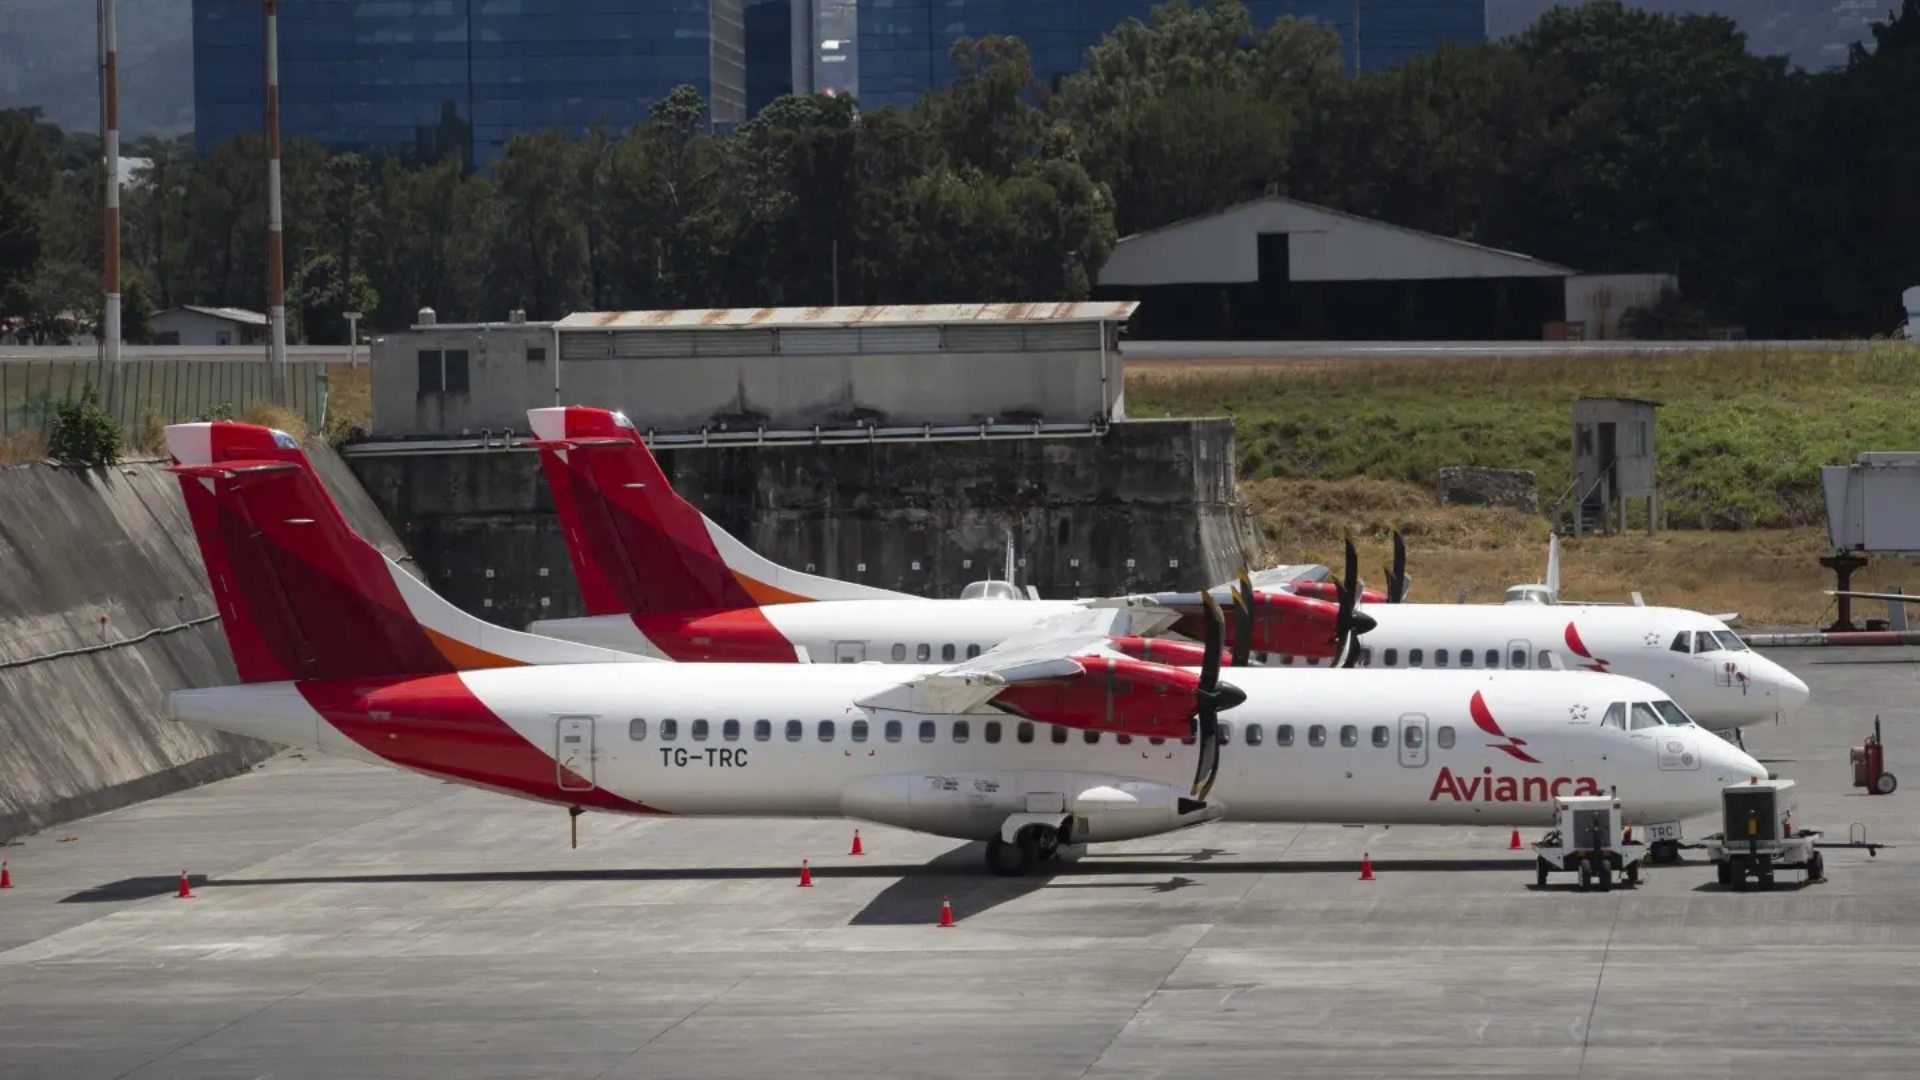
(1032, 846)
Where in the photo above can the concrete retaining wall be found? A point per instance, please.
(1146, 506)
(88, 560)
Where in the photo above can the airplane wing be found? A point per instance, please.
(1044, 651)
(1275, 577)
(1900, 598)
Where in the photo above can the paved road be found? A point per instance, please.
(355, 922)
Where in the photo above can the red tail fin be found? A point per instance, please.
(301, 595)
(637, 546)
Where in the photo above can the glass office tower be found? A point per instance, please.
(428, 77)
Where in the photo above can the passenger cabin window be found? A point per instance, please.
(1091, 737)
(794, 731)
(1123, 739)
(1317, 735)
(1466, 657)
(1439, 658)
(991, 731)
(1414, 736)
(1616, 717)
(1517, 660)
(1383, 737)
(961, 732)
(893, 731)
(1644, 717)
(946, 651)
(669, 730)
(1545, 660)
(1673, 714)
(1283, 734)
(1414, 657)
(1253, 735)
(927, 732)
(1059, 733)
(923, 652)
(1366, 656)
(762, 730)
(899, 649)
(1155, 740)
(699, 731)
(858, 729)
(1444, 736)
(1493, 658)
(1023, 731)
(1349, 735)
(973, 651)
(730, 731)
(1682, 642)
(1390, 657)
(636, 730)
(826, 731)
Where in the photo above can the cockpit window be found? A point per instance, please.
(1682, 642)
(1616, 717)
(1673, 714)
(1644, 716)
(1730, 641)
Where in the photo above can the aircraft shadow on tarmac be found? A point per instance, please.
(957, 875)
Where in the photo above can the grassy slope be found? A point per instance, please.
(1327, 446)
(1741, 435)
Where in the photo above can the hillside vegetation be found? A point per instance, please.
(1741, 434)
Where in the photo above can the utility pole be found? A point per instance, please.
(110, 230)
(1356, 39)
(276, 271)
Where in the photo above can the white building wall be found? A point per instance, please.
(1598, 300)
(196, 328)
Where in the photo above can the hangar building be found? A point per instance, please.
(1277, 269)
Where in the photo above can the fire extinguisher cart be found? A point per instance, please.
(1588, 840)
(1870, 765)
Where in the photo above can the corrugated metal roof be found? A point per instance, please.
(230, 314)
(877, 315)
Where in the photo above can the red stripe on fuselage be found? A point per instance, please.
(740, 635)
(434, 724)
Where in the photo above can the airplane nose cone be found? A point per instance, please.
(1229, 695)
(1793, 693)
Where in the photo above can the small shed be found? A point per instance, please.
(192, 324)
(1614, 460)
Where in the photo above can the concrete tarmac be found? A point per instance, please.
(350, 921)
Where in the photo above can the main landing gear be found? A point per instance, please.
(1032, 846)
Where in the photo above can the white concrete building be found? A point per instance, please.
(190, 324)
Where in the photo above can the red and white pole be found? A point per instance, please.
(110, 160)
(276, 272)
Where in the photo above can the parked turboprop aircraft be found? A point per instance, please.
(1047, 742)
(661, 579)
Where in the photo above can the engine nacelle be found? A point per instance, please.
(972, 806)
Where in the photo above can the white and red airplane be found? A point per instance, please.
(1050, 741)
(661, 579)
(703, 595)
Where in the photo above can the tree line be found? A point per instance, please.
(1604, 137)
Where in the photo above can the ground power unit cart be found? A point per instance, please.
(1588, 839)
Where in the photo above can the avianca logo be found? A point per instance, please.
(1579, 649)
(1505, 789)
(1483, 719)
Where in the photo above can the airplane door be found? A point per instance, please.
(573, 753)
(1518, 650)
(1413, 741)
(849, 652)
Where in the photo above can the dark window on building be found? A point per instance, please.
(536, 354)
(443, 371)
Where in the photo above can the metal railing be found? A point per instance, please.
(163, 390)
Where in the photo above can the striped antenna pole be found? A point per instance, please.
(276, 271)
(110, 162)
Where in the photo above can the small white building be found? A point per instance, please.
(1912, 300)
(190, 324)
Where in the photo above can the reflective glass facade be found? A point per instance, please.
(903, 44)
(428, 76)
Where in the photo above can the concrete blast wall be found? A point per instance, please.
(90, 559)
(1146, 506)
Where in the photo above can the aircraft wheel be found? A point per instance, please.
(1816, 868)
(1010, 860)
(1586, 875)
(1665, 852)
(1885, 784)
(1603, 874)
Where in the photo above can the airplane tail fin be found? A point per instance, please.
(303, 596)
(637, 546)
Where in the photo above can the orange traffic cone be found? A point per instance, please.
(186, 888)
(806, 876)
(6, 876)
(946, 912)
(857, 849)
(1366, 867)
(1514, 844)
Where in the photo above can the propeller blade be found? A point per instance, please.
(1216, 631)
(1243, 619)
(1347, 654)
(1397, 577)
(1206, 718)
